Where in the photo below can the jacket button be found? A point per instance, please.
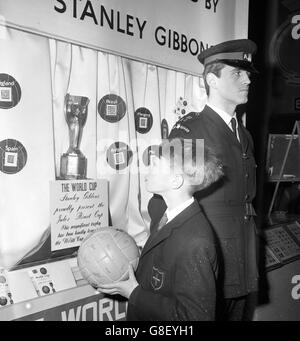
(246, 196)
(247, 175)
(246, 218)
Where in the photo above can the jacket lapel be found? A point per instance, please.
(222, 127)
(226, 132)
(157, 237)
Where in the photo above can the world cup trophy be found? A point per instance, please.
(73, 164)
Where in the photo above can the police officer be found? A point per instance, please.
(227, 204)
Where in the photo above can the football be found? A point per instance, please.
(104, 256)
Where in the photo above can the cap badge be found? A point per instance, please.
(247, 56)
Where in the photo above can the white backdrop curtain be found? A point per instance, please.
(47, 70)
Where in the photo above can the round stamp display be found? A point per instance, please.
(3, 301)
(164, 129)
(10, 91)
(143, 120)
(13, 156)
(119, 155)
(45, 289)
(43, 271)
(112, 108)
(150, 152)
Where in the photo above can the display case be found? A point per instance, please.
(85, 90)
(55, 291)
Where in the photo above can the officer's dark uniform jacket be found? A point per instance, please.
(177, 270)
(227, 204)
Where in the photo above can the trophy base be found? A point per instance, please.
(73, 166)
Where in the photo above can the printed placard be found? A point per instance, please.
(282, 244)
(42, 280)
(77, 208)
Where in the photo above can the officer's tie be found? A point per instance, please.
(233, 126)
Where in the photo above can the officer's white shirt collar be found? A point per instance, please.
(225, 117)
(171, 214)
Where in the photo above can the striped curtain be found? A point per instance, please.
(132, 106)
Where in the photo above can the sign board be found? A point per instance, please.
(77, 208)
(168, 33)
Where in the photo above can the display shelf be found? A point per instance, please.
(80, 302)
(31, 309)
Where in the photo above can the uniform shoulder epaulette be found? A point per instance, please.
(183, 122)
(190, 116)
(181, 126)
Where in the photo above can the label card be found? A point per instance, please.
(77, 208)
